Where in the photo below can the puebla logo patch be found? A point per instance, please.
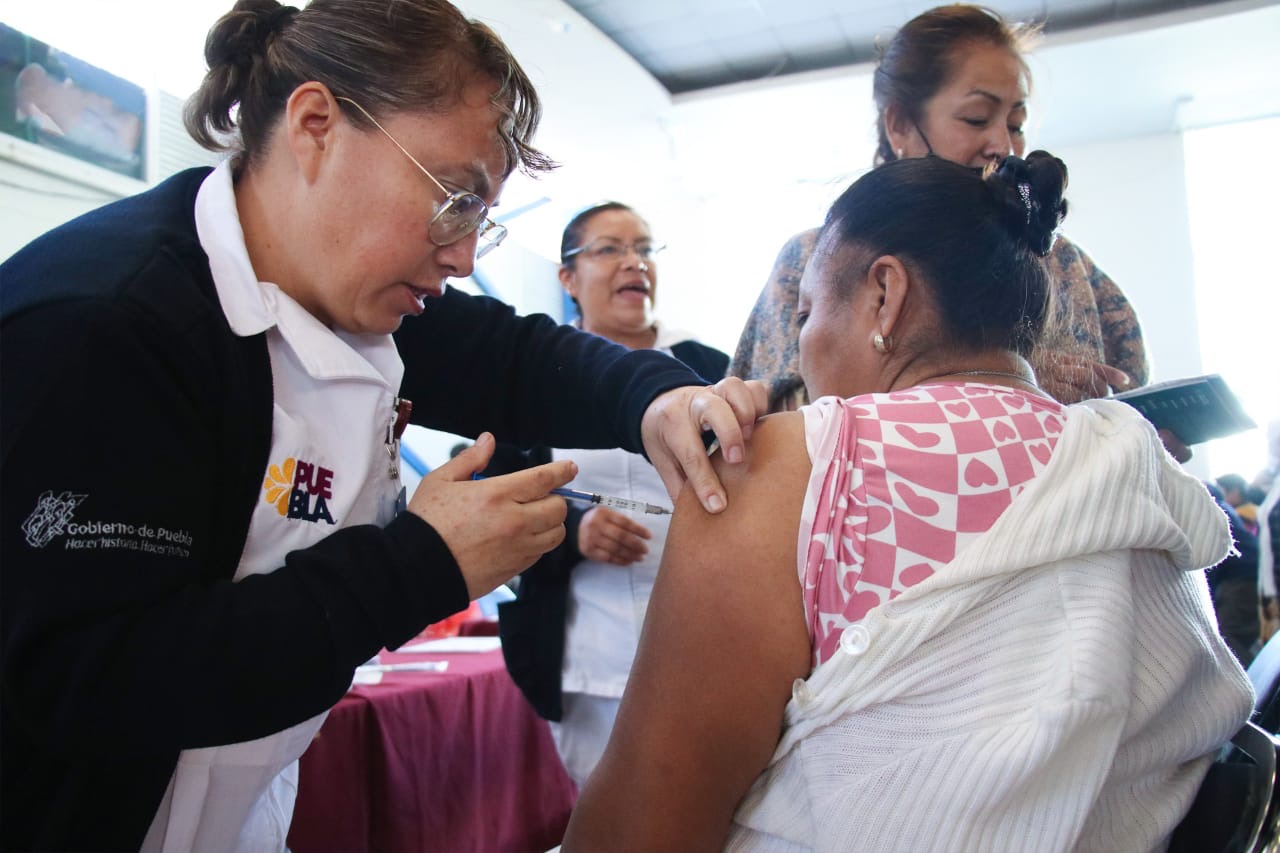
(300, 490)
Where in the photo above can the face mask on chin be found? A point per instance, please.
(977, 170)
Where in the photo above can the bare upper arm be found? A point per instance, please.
(723, 641)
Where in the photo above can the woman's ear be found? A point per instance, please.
(567, 282)
(898, 128)
(311, 116)
(892, 283)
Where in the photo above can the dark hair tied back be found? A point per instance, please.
(280, 17)
(972, 240)
(1029, 193)
(236, 50)
(241, 36)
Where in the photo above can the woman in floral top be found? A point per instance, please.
(953, 83)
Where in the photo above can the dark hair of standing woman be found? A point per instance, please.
(975, 240)
(387, 55)
(921, 57)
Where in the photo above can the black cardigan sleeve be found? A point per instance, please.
(472, 364)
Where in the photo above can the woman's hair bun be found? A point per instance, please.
(236, 51)
(1030, 195)
(242, 34)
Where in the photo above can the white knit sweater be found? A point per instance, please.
(1061, 685)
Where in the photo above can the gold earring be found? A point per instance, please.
(882, 343)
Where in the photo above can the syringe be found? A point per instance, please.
(612, 502)
(603, 500)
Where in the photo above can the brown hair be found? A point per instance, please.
(388, 55)
(922, 56)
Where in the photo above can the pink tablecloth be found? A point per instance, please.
(451, 761)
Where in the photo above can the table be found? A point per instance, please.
(479, 628)
(451, 761)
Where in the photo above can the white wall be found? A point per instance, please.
(1128, 210)
(33, 201)
(757, 166)
(1235, 221)
(604, 120)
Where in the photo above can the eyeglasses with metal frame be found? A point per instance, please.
(461, 213)
(610, 250)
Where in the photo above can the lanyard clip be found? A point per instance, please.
(403, 409)
(395, 429)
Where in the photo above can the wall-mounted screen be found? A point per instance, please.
(56, 101)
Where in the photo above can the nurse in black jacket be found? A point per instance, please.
(202, 397)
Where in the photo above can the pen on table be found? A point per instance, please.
(604, 500)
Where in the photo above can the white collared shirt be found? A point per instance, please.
(334, 399)
(329, 468)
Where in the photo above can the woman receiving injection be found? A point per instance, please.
(570, 637)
